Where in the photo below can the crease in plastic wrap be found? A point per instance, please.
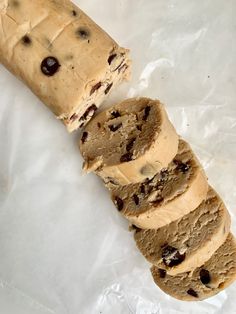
(64, 248)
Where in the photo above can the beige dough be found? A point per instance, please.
(171, 194)
(211, 278)
(86, 62)
(189, 242)
(129, 142)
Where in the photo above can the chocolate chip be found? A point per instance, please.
(192, 292)
(26, 40)
(90, 111)
(126, 157)
(142, 188)
(74, 13)
(162, 273)
(205, 276)
(107, 90)
(130, 145)
(84, 137)
(146, 113)
(50, 66)
(115, 114)
(183, 167)
(74, 117)
(119, 203)
(83, 33)
(139, 127)
(99, 125)
(115, 127)
(95, 87)
(111, 58)
(136, 199)
(171, 256)
(164, 175)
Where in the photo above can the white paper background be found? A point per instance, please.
(64, 248)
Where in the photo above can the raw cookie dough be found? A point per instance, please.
(189, 242)
(171, 194)
(211, 278)
(129, 142)
(67, 60)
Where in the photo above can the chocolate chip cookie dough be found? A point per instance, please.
(67, 60)
(129, 142)
(211, 278)
(168, 196)
(189, 242)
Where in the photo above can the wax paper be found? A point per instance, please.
(64, 249)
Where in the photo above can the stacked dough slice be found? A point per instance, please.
(180, 223)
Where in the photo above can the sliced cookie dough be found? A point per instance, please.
(189, 242)
(129, 142)
(171, 194)
(211, 278)
(64, 57)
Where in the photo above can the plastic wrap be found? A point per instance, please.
(64, 248)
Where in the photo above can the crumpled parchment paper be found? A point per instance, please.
(64, 248)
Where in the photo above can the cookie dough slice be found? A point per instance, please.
(129, 142)
(189, 242)
(168, 196)
(211, 278)
(64, 57)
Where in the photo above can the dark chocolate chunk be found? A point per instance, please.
(74, 13)
(26, 40)
(192, 292)
(90, 111)
(50, 66)
(130, 145)
(115, 114)
(146, 113)
(205, 276)
(111, 58)
(162, 273)
(136, 199)
(83, 33)
(119, 203)
(84, 137)
(107, 90)
(74, 117)
(171, 256)
(183, 167)
(126, 157)
(115, 127)
(99, 125)
(95, 87)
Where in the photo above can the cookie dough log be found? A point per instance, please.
(189, 242)
(169, 195)
(211, 278)
(66, 59)
(129, 142)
